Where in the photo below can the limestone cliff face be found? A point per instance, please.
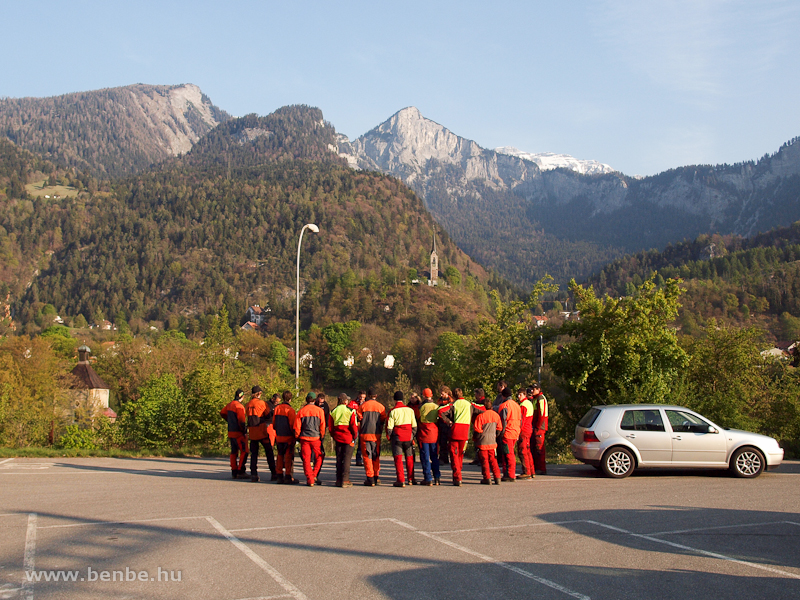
(580, 209)
(111, 132)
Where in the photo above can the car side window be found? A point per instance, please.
(683, 422)
(642, 420)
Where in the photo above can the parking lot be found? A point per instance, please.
(181, 528)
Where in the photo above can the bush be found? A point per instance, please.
(75, 437)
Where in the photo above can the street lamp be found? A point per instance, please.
(314, 229)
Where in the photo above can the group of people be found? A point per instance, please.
(512, 422)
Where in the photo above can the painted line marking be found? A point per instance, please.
(678, 531)
(697, 550)
(29, 559)
(504, 527)
(89, 524)
(8, 460)
(308, 525)
(269, 597)
(260, 562)
(489, 559)
(28, 466)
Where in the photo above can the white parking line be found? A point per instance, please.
(29, 559)
(8, 460)
(698, 550)
(268, 597)
(90, 523)
(308, 525)
(269, 569)
(518, 526)
(489, 559)
(677, 531)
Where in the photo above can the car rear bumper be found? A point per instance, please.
(587, 453)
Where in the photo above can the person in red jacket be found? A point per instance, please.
(540, 418)
(400, 431)
(427, 415)
(525, 432)
(354, 404)
(372, 416)
(309, 428)
(285, 440)
(343, 425)
(234, 414)
(259, 418)
(487, 425)
(510, 418)
(459, 417)
(445, 400)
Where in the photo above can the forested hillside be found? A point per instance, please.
(169, 247)
(739, 280)
(111, 132)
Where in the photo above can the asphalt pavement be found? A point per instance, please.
(181, 528)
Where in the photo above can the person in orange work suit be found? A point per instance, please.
(458, 416)
(259, 418)
(525, 432)
(540, 418)
(400, 431)
(487, 425)
(372, 416)
(511, 419)
(285, 440)
(309, 428)
(234, 414)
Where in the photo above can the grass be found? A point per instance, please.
(49, 452)
(40, 189)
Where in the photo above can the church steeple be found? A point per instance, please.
(434, 280)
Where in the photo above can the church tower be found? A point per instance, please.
(434, 280)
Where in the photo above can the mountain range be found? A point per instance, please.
(518, 213)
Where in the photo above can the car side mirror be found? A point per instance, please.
(712, 429)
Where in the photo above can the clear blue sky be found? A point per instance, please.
(643, 86)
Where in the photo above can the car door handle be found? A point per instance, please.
(631, 436)
(677, 437)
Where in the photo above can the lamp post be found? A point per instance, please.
(314, 229)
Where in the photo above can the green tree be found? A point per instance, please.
(219, 345)
(504, 348)
(727, 376)
(622, 349)
(158, 419)
(449, 357)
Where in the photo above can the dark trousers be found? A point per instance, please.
(344, 453)
(254, 444)
(444, 446)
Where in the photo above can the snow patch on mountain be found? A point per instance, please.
(548, 161)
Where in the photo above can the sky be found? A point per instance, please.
(642, 86)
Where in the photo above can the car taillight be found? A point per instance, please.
(589, 436)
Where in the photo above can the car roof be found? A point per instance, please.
(640, 406)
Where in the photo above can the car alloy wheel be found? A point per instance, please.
(747, 463)
(618, 463)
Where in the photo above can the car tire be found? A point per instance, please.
(747, 463)
(618, 462)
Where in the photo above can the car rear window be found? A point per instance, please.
(589, 418)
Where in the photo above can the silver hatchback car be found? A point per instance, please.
(620, 438)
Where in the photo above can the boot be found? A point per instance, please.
(497, 481)
(274, 477)
(234, 473)
(437, 481)
(254, 478)
(486, 481)
(346, 484)
(279, 478)
(399, 483)
(369, 481)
